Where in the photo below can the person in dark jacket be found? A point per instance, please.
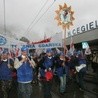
(36, 69)
(6, 66)
(61, 72)
(81, 70)
(46, 72)
(24, 66)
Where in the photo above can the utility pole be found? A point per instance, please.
(4, 17)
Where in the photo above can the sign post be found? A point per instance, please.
(65, 19)
(64, 41)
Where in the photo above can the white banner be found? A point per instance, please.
(10, 44)
(7, 42)
(55, 41)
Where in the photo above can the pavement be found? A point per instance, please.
(72, 89)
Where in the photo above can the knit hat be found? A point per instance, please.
(61, 54)
(24, 48)
(5, 52)
(49, 50)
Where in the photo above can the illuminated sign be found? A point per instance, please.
(85, 45)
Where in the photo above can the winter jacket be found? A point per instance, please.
(24, 72)
(61, 70)
(45, 64)
(5, 71)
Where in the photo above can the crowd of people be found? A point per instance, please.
(27, 69)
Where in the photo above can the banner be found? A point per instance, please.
(10, 44)
(53, 42)
(15, 45)
(6, 42)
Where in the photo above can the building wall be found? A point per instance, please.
(86, 36)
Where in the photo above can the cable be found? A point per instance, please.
(4, 17)
(41, 16)
(36, 16)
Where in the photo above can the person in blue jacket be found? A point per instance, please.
(24, 66)
(6, 66)
(61, 72)
(82, 68)
(46, 66)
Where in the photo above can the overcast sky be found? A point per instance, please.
(20, 14)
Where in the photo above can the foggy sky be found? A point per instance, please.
(20, 13)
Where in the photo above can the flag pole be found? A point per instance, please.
(9, 51)
(64, 41)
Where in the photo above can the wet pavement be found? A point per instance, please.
(72, 91)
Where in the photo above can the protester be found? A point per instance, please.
(36, 69)
(61, 72)
(46, 73)
(6, 66)
(24, 66)
(81, 70)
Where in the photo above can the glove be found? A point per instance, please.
(49, 69)
(45, 70)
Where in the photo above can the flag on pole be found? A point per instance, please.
(45, 36)
(17, 52)
(58, 51)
